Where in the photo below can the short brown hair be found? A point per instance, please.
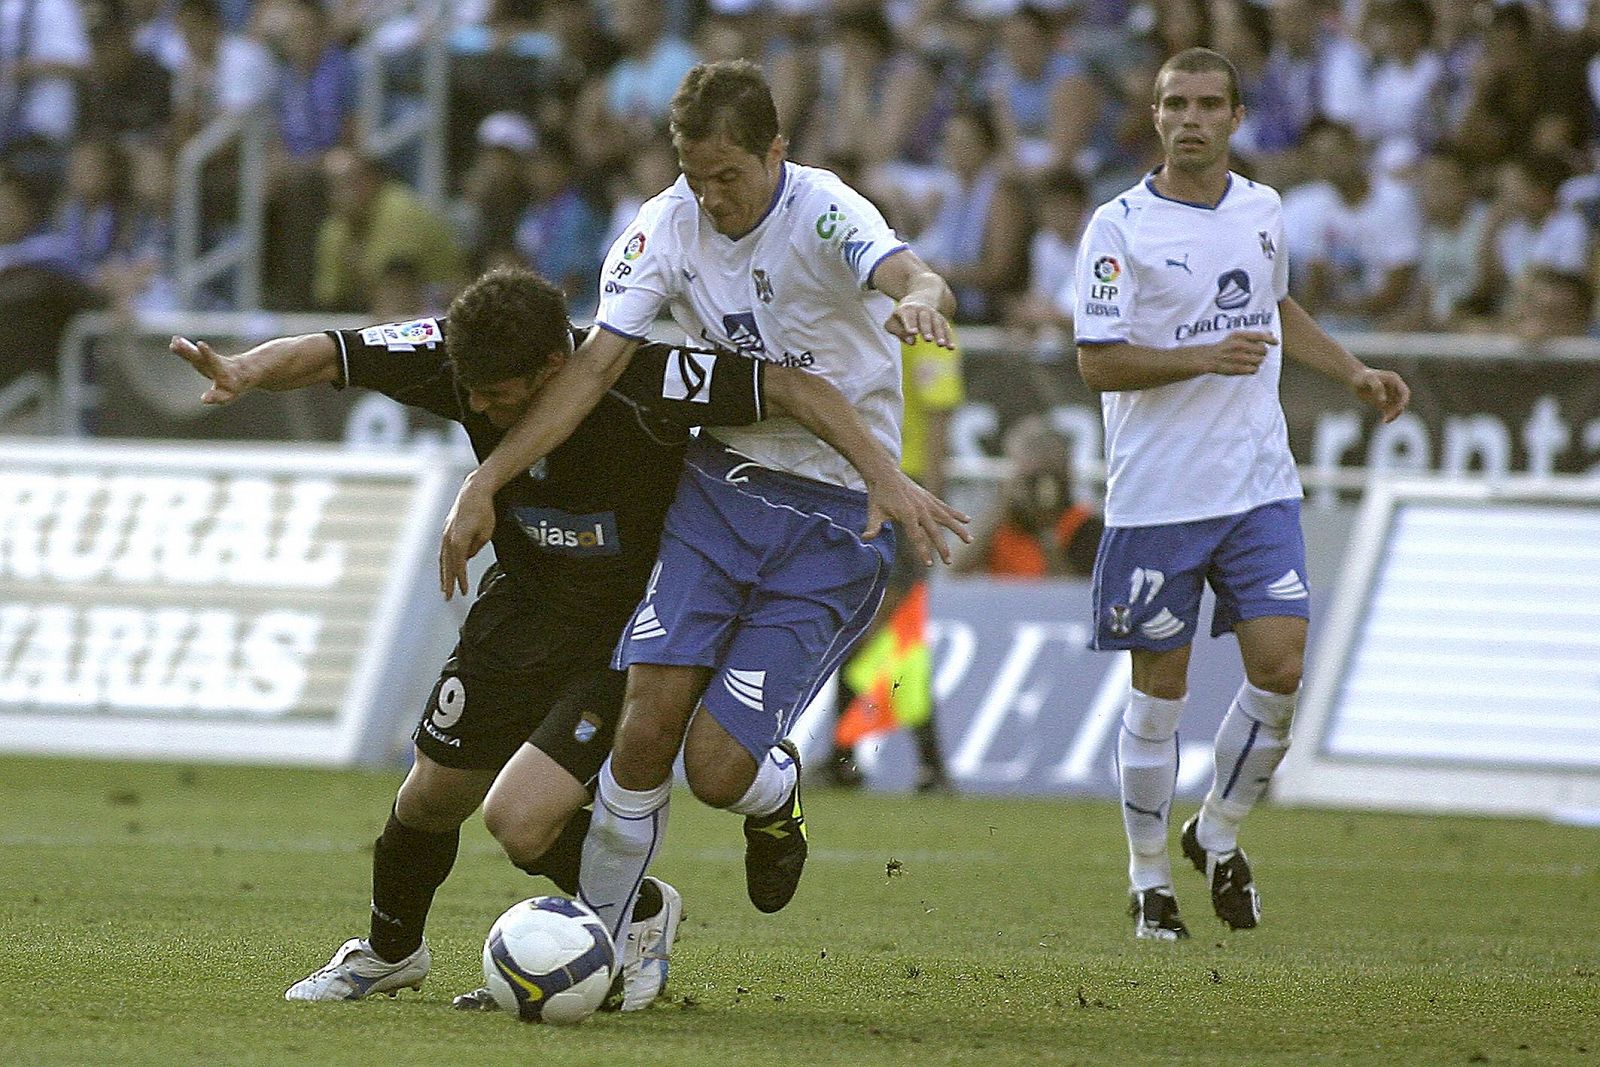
(505, 325)
(1201, 61)
(730, 97)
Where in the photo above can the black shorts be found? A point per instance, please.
(517, 676)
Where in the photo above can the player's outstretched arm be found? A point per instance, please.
(891, 495)
(1307, 343)
(280, 364)
(563, 402)
(1121, 367)
(923, 300)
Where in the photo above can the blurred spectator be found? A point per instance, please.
(1354, 241)
(1528, 227)
(222, 73)
(978, 238)
(1062, 214)
(1292, 79)
(1550, 303)
(317, 94)
(560, 233)
(139, 275)
(1032, 85)
(1402, 110)
(43, 49)
(1034, 529)
(375, 219)
(400, 293)
(497, 188)
(41, 282)
(1453, 226)
(833, 95)
(93, 211)
(632, 98)
(124, 93)
(1521, 73)
(654, 167)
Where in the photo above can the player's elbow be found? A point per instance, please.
(1093, 368)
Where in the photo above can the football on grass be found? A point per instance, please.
(549, 960)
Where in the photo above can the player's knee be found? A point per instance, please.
(437, 799)
(1280, 675)
(523, 835)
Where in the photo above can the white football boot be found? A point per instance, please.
(356, 971)
(648, 949)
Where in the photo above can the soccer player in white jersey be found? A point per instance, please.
(769, 569)
(1182, 301)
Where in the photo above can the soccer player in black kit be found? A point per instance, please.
(523, 713)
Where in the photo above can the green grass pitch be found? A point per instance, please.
(154, 914)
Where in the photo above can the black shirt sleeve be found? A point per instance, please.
(402, 360)
(689, 387)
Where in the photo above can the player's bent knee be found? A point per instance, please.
(524, 836)
(1280, 676)
(719, 768)
(437, 799)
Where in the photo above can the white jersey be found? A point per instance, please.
(795, 290)
(1161, 273)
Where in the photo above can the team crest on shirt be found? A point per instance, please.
(1233, 290)
(1268, 249)
(763, 285)
(634, 248)
(1107, 269)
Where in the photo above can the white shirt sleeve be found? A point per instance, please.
(1106, 286)
(635, 280)
(848, 234)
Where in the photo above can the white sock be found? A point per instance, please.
(1251, 742)
(774, 782)
(1147, 769)
(627, 831)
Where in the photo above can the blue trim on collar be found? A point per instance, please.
(1150, 183)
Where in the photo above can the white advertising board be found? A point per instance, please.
(186, 601)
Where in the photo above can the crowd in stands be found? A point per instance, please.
(1436, 156)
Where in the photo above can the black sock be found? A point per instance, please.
(927, 739)
(561, 860)
(407, 867)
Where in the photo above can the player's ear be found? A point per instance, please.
(776, 150)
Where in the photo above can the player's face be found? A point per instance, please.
(503, 403)
(733, 186)
(1195, 118)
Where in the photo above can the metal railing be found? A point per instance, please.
(422, 123)
(240, 251)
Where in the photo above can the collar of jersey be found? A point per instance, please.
(777, 195)
(1150, 183)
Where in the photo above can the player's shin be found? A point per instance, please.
(1147, 769)
(408, 866)
(1251, 742)
(627, 830)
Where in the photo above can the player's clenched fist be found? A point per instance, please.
(1241, 352)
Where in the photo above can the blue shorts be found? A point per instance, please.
(763, 577)
(1148, 579)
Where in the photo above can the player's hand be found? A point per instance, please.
(922, 516)
(466, 530)
(911, 320)
(1241, 352)
(227, 375)
(1382, 389)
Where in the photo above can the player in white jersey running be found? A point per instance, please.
(770, 565)
(1182, 299)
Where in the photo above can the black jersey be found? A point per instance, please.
(579, 530)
